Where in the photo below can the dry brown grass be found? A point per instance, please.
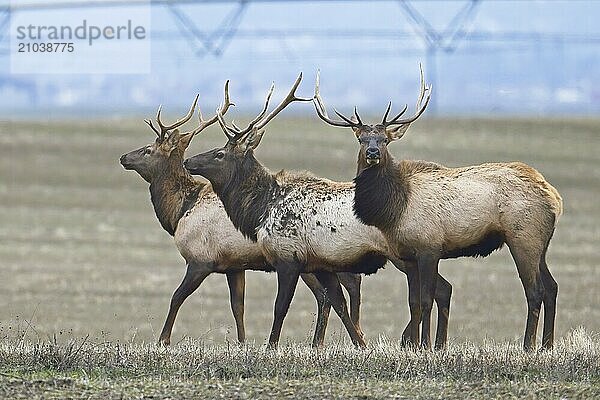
(81, 252)
(83, 369)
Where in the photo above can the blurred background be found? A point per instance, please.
(81, 252)
(483, 57)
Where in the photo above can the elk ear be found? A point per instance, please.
(173, 136)
(171, 142)
(396, 132)
(253, 140)
(184, 140)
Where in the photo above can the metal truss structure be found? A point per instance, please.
(214, 42)
(202, 42)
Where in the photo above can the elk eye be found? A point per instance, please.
(219, 155)
(147, 151)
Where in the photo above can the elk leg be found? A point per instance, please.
(287, 279)
(428, 272)
(237, 284)
(323, 308)
(410, 336)
(550, 293)
(194, 276)
(443, 293)
(352, 283)
(334, 293)
(528, 267)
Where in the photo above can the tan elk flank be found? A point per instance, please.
(430, 212)
(302, 223)
(190, 211)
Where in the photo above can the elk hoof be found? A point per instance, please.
(407, 343)
(440, 346)
(272, 346)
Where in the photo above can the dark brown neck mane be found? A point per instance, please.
(248, 195)
(381, 194)
(173, 192)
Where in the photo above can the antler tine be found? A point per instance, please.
(223, 125)
(424, 93)
(322, 110)
(158, 113)
(151, 125)
(290, 98)
(387, 112)
(163, 132)
(342, 116)
(222, 109)
(261, 120)
(165, 128)
(320, 105)
(422, 87)
(237, 131)
(256, 120)
(317, 101)
(393, 120)
(235, 126)
(357, 116)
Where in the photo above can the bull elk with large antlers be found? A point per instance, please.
(430, 212)
(190, 211)
(302, 223)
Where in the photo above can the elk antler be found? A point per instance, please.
(164, 129)
(425, 94)
(235, 133)
(322, 111)
(420, 106)
(222, 110)
(384, 121)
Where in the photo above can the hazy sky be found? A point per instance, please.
(372, 63)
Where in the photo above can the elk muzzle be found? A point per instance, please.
(372, 155)
(192, 164)
(125, 162)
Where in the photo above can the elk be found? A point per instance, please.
(302, 223)
(430, 212)
(190, 211)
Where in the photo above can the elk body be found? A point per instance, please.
(190, 211)
(301, 223)
(430, 212)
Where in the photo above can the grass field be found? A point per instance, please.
(196, 370)
(84, 263)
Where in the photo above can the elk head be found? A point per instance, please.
(374, 138)
(170, 144)
(222, 165)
